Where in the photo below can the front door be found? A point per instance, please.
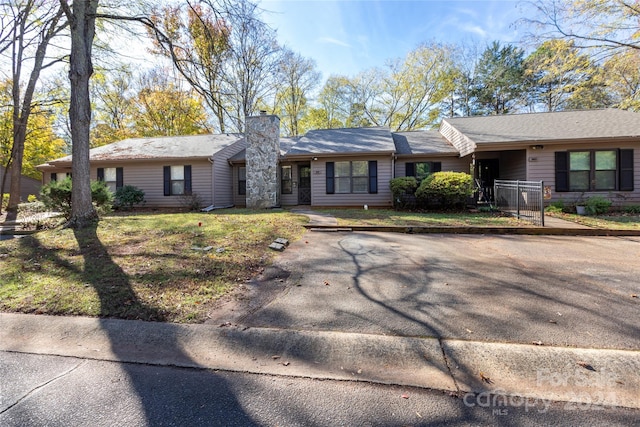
(488, 171)
(304, 185)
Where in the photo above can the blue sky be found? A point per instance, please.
(348, 36)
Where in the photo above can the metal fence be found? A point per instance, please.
(522, 199)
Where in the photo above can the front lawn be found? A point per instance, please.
(612, 221)
(140, 266)
(389, 217)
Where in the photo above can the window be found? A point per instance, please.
(286, 180)
(112, 177)
(352, 177)
(421, 170)
(54, 176)
(594, 170)
(177, 180)
(242, 180)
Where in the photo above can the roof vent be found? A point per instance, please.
(263, 112)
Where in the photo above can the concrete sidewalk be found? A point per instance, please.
(586, 376)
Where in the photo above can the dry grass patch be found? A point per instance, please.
(140, 266)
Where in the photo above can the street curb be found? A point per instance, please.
(595, 377)
(535, 231)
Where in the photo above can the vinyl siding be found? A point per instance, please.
(513, 165)
(223, 186)
(464, 145)
(543, 169)
(319, 196)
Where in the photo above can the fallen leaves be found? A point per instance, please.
(585, 365)
(485, 378)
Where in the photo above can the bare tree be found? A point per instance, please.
(605, 25)
(223, 50)
(32, 24)
(297, 76)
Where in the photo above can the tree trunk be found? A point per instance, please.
(80, 70)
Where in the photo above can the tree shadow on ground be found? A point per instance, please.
(161, 402)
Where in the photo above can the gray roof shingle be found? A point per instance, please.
(169, 147)
(558, 126)
(344, 141)
(422, 142)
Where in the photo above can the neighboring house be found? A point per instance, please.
(28, 186)
(576, 153)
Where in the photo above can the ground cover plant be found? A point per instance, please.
(140, 266)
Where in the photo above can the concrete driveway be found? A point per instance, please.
(549, 290)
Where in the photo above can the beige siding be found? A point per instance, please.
(451, 164)
(223, 186)
(541, 167)
(513, 165)
(319, 196)
(464, 145)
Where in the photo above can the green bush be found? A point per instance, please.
(56, 196)
(597, 205)
(447, 189)
(5, 201)
(128, 196)
(632, 209)
(403, 190)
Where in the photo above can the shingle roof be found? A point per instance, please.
(344, 141)
(560, 126)
(422, 142)
(169, 147)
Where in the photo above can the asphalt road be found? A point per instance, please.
(554, 290)
(40, 390)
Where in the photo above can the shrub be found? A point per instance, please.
(403, 191)
(597, 205)
(56, 196)
(632, 209)
(193, 202)
(31, 198)
(5, 201)
(128, 196)
(449, 189)
(556, 207)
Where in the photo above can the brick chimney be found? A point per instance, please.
(263, 150)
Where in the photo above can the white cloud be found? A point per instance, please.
(330, 40)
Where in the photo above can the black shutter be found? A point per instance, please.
(100, 174)
(625, 166)
(187, 179)
(119, 178)
(373, 176)
(562, 171)
(330, 180)
(54, 176)
(436, 167)
(409, 169)
(167, 180)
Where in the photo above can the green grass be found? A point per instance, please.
(613, 221)
(389, 217)
(140, 266)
